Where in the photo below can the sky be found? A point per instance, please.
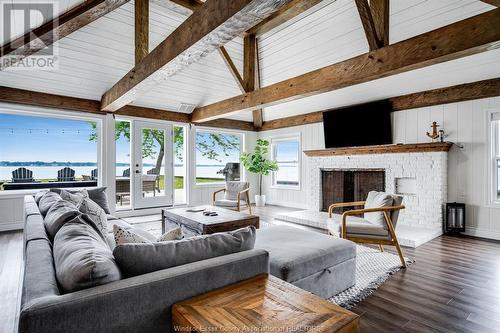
(287, 151)
(28, 138)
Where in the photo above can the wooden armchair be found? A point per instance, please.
(362, 230)
(234, 193)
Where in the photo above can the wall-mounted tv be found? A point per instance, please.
(360, 125)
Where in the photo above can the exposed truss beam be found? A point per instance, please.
(495, 3)
(141, 29)
(251, 72)
(190, 4)
(453, 94)
(286, 13)
(232, 68)
(366, 17)
(63, 25)
(470, 36)
(199, 32)
(380, 14)
(33, 98)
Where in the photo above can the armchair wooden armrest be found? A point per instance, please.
(343, 204)
(238, 195)
(218, 191)
(385, 210)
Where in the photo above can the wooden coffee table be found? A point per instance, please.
(197, 223)
(262, 304)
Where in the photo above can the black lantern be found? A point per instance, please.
(454, 217)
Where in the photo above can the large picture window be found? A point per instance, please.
(495, 161)
(286, 151)
(214, 150)
(46, 151)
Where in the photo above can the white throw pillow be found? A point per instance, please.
(136, 235)
(95, 213)
(377, 200)
(174, 234)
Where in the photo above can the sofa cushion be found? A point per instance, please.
(297, 253)
(98, 195)
(377, 200)
(96, 214)
(61, 212)
(226, 203)
(173, 234)
(47, 200)
(356, 227)
(136, 259)
(82, 258)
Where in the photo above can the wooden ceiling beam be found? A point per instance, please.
(39, 99)
(464, 38)
(61, 26)
(368, 23)
(286, 13)
(232, 68)
(189, 4)
(201, 23)
(459, 93)
(381, 16)
(141, 30)
(495, 3)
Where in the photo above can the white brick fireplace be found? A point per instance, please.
(420, 177)
(417, 173)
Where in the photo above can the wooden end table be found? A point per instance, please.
(198, 224)
(262, 304)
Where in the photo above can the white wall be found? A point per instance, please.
(465, 122)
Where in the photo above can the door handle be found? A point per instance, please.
(137, 171)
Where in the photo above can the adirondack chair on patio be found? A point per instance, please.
(66, 175)
(154, 171)
(93, 174)
(22, 175)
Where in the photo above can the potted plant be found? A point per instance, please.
(256, 162)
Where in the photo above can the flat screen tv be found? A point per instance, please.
(360, 125)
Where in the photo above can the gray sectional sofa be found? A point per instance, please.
(141, 303)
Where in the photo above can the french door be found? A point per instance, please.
(152, 171)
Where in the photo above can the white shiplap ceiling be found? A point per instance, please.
(98, 55)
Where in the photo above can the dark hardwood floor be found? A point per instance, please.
(454, 286)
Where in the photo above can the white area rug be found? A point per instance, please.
(372, 269)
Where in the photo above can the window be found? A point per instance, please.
(214, 150)
(38, 152)
(495, 132)
(286, 151)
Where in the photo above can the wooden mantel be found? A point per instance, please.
(382, 149)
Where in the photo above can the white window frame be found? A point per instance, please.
(494, 156)
(241, 135)
(22, 110)
(284, 138)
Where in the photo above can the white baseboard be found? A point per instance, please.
(476, 232)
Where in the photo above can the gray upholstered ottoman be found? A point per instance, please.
(319, 263)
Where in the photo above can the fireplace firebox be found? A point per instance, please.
(349, 185)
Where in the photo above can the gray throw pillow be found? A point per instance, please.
(47, 200)
(96, 214)
(82, 258)
(137, 259)
(74, 198)
(39, 195)
(98, 195)
(61, 212)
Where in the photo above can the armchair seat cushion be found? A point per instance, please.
(357, 227)
(228, 203)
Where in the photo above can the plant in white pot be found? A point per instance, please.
(256, 162)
